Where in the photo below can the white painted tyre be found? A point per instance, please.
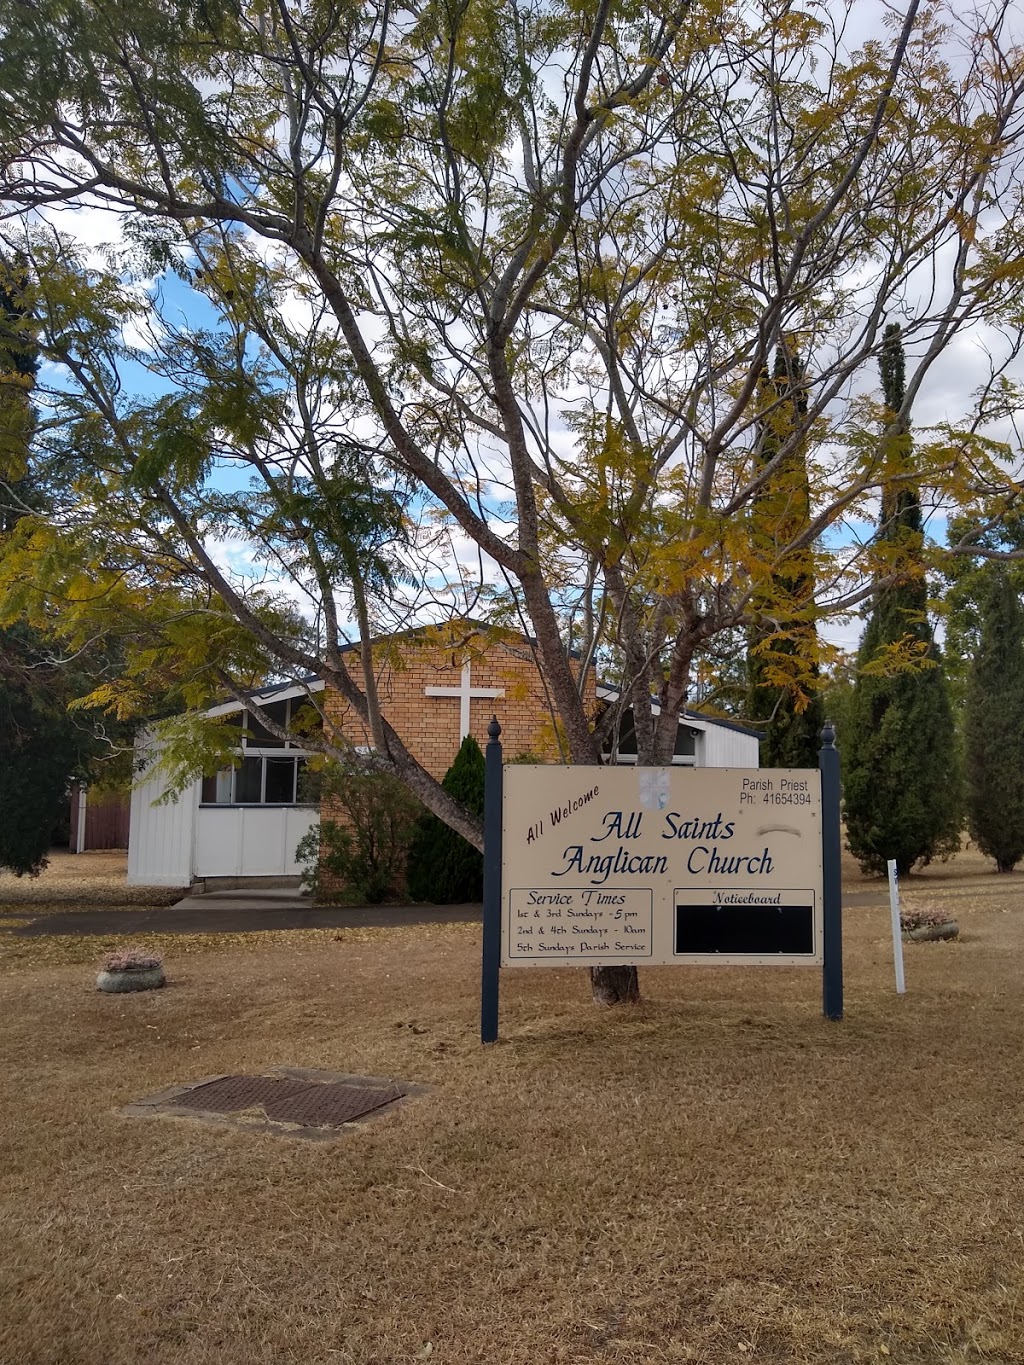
(131, 979)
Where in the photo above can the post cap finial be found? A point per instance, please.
(828, 735)
(493, 729)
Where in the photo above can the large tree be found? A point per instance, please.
(443, 866)
(481, 296)
(985, 638)
(902, 793)
(19, 366)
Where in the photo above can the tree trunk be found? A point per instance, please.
(615, 985)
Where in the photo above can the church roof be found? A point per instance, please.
(606, 692)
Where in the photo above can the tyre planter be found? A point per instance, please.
(933, 932)
(131, 979)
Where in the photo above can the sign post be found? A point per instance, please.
(831, 856)
(616, 865)
(897, 932)
(491, 965)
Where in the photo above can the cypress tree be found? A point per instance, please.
(779, 662)
(994, 725)
(443, 867)
(901, 782)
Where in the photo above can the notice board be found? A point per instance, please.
(684, 866)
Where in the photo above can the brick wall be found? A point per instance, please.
(430, 726)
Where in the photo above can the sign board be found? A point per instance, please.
(603, 866)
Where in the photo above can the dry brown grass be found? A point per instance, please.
(718, 1176)
(81, 881)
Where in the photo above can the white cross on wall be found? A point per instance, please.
(464, 692)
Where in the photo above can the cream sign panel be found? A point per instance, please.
(661, 865)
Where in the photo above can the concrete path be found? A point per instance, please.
(234, 912)
(246, 912)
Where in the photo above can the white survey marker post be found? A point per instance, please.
(897, 928)
(627, 865)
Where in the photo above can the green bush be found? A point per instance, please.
(444, 868)
(367, 851)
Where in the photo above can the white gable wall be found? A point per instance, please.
(724, 748)
(160, 837)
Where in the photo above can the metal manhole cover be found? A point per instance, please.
(330, 1105)
(311, 1104)
(231, 1093)
(303, 1103)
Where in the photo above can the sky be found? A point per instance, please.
(944, 397)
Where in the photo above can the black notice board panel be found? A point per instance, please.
(761, 929)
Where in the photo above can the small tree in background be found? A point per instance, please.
(40, 750)
(443, 867)
(366, 851)
(43, 743)
(994, 725)
(901, 774)
(901, 784)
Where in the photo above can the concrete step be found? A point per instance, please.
(246, 898)
(202, 885)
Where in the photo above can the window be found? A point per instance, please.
(263, 781)
(256, 736)
(272, 771)
(249, 782)
(279, 781)
(684, 754)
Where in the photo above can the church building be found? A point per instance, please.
(435, 688)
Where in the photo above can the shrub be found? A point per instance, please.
(365, 851)
(445, 868)
(923, 917)
(131, 959)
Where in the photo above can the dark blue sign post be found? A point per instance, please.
(492, 885)
(832, 887)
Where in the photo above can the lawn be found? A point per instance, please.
(718, 1176)
(81, 881)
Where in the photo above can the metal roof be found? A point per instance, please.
(687, 714)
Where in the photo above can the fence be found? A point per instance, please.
(105, 820)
